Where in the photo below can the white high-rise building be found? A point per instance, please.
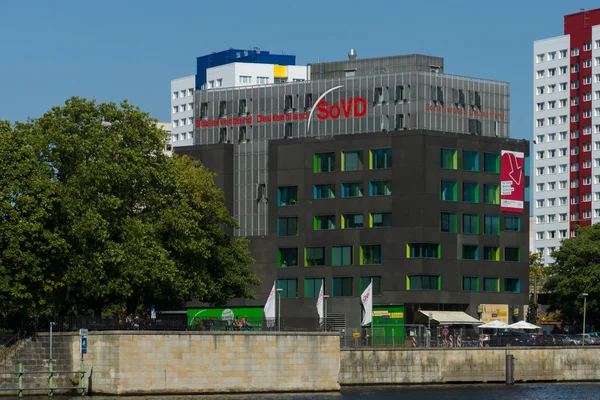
(566, 125)
(182, 110)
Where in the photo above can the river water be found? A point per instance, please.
(546, 391)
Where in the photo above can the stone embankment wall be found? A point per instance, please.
(419, 366)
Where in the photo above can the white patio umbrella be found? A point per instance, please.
(494, 325)
(523, 325)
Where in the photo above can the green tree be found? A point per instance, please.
(576, 270)
(537, 273)
(96, 219)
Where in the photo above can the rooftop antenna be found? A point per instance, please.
(257, 50)
(352, 54)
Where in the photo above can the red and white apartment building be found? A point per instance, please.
(566, 120)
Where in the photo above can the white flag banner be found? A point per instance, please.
(367, 302)
(270, 307)
(320, 303)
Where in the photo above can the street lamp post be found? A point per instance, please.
(279, 309)
(51, 325)
(325, 297)
(585, 295)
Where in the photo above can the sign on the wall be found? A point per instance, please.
(512, 181)
(494, 312)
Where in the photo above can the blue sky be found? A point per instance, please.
(114, 50)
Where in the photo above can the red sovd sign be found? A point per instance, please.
(512, 181)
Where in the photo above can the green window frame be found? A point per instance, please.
(491, 162)
(342, 286)
(491, 225)
(287, 226)
(491, 193)
(324, 222)
(470, 192)
(352, 160)
(449, 191)
(353, 221)
(471, 224)
(324, 191)
(352, 189)
(380, 188)
(289, 288)
(512, 254)
(512, 285)
(448, 158)
(448, 222)
(491, 253)
(470, 252)
(324, 162)
(312, 287)
(287, 196)
(470, 160)
(470, 284)
(423, 282)
(342, 255)
(314, 256)
(366, 280)
(287, 257)
(380, 158)
(380, 220)
(512, 224)
(423, 250)
(491, 285)
(370, 254)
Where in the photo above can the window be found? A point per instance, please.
(380, 188)
(352, 189)
(370, 254)
(287, 226)
(183, 107)
(262, 80)
(491, 225)
(562, 233)
(448, 159)
(175, 109)
(324, 162)
(491, 284)
(512, 224)
(551, 136)
(563, 87)
(552, 121)
(341, 255)
(539, 122)
(203, 110)
(314, 256)
(491, 253)
(219, 82)
(539, 187)
(512, 285)
(562, 54)
(289, 102)
(540, 90)
(352, 221)
(562, 217)
(587, 80)
(551, 202)
(596, 128)
(324, 191)
(539, 203)
(449, 191)
(470, 284)
(551, 185)
(245, 79)
(400, 121)
(352, 160)
(365, 281)
(551, 71)
(289, 287)
(380, 220)
(597, 78)
(587, 147)
(587, 46)
(341, 287)
(574, 199)
(552, 55)
(551, 88)
(470, 252)
(587, 130)
(423, 282)
(574, 167)
(471, 223)
(491, 162)
(562, 201)
(539, 171)
(575, 68)
(448, 222)
(287, 257)
(539, 155)
(470, 192)
(176, 94)
(587, 96)
(378, 159)
(551, 169)
(539, 139)
(562, 103)
(211, 84)
(312, 287)
(597, 45)
(551, 217)
(378, 94)
(575, 183)
(540, 58)
(512, 254)
(324, 222)
(575, 85)
(540, 106)
(562, 70)
(471, 160)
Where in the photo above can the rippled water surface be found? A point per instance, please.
(559, 391)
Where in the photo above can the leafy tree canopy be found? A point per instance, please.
(96, 219)
(576, 270)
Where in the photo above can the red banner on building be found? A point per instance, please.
(512, 181)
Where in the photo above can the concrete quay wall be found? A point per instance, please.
(211, 362)
(430, 366)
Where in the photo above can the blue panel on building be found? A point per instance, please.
(238, 55)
